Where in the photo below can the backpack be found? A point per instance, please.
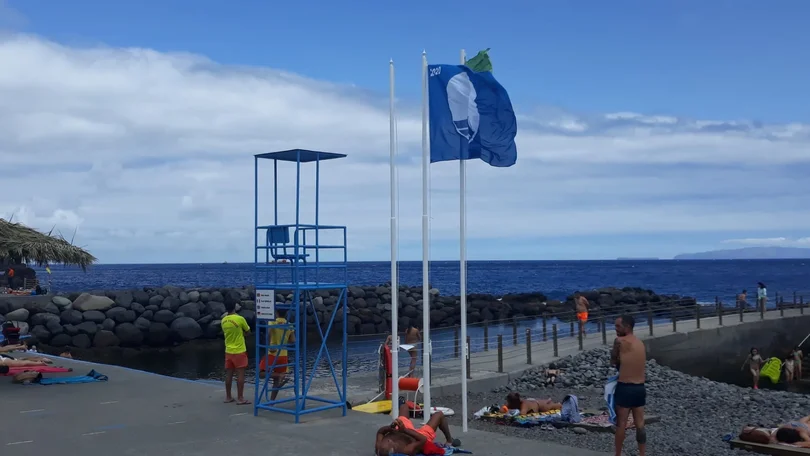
(570, 409)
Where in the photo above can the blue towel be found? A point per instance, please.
(91, 376)
(448, 450)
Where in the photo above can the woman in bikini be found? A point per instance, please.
(754, 362)
(526, 406)
(795, 433)
(797, 361)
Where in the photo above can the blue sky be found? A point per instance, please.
(647, 128)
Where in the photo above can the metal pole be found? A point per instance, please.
(394, 286)
(425, 240)
(462, 190)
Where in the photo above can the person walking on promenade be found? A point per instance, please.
(754, 362)
(582, 312)
(762, 296)
(413, 337)
(742, 300)
(630, 358)
(234, 328)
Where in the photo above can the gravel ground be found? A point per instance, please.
(695, 412)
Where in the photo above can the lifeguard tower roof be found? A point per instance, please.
(300, 155)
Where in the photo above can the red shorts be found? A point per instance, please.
(582, 316)
(427, 431)
(281, 362)
(236, 361)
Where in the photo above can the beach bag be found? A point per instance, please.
(610, 389)
(755, 435)
(772, 370)
(570, 409)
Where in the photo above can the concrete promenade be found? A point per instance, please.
(484, 365)
(137, 413)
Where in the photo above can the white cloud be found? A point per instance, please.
(149, 154)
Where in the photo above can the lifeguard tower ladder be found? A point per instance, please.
(288, 258)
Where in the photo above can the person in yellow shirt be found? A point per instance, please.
(234, 327)
(277, 336)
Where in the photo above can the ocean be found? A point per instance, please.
(702, 279)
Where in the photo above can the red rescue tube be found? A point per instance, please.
(389, 386)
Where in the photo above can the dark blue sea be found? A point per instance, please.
(703, 280)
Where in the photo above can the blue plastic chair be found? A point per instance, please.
(278, 241)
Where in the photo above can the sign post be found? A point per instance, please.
(266, 304)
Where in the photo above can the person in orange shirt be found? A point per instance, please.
(234, 327)
(582, 312)
(278, 335)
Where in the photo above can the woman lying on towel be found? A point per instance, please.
(796, 433)
(526, 406)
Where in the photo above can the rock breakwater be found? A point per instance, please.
(170, 315)
(695, 412)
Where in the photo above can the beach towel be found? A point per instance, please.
(570, 409)
(610, 388)
(91, 376)
(41, 369)
(448, 450)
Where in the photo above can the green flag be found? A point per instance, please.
(480, 62)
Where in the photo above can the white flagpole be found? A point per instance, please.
(425, 244)
(394, 285)
(463, 276)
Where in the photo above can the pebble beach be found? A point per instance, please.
(695, 412)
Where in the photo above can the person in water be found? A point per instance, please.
(401, 437)
(630, 358)
(754, 362)
(526, 406)
(796, 433)
(797, 356)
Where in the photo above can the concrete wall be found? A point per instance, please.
(719, 353)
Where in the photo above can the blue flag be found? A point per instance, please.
(471, 116)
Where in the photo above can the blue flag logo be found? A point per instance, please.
(471, 116)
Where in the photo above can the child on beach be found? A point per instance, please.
(754, 362)
(789, 366)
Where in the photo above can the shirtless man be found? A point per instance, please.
(582, 312)
(401, 437)
(630, 357)
(413, 337)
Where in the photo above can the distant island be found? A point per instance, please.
(636, 258)
(749, 253)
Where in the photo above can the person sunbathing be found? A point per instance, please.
(795, 433)
(8, 361)
(526, 406)
(11, 348)
(401, 437)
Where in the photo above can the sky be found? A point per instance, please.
(645, 129)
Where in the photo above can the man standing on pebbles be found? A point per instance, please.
(630, 358)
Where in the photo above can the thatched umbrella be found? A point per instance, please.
(21, 244)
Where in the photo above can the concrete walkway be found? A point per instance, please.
(484, 365)
(138, 413)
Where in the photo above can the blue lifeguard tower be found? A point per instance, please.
(289, 258)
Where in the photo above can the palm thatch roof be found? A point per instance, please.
(21, 244)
